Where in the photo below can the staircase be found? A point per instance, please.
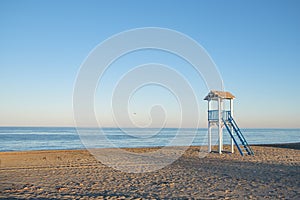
(237, 136)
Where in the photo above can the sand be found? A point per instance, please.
(273, 173)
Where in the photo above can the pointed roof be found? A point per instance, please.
(214, 95)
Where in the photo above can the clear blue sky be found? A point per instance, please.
(255, 44)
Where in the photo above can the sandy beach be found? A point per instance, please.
(273, 173)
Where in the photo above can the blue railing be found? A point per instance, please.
(213, 115)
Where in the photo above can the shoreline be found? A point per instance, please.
(73, 174)
(292, 145)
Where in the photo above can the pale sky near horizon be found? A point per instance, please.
(255, 45)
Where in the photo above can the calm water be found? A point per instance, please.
(44, 138)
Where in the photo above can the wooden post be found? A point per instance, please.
(220, 125)
(209, 137)
(222, 108)
(231, 128)
(209, 128)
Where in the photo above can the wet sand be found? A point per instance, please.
(273, 173)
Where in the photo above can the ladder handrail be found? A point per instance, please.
(235, 142)
(238, 129)
(240, 132)
(240, 137)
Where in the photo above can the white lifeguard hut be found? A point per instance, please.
(220, 117)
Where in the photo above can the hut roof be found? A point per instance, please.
(214, 95)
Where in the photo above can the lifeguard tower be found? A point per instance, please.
(218, 116)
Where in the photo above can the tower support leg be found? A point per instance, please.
(231, 141)
(220, 126)
(209, 137)
(220, 140)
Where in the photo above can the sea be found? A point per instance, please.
(55, 138)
